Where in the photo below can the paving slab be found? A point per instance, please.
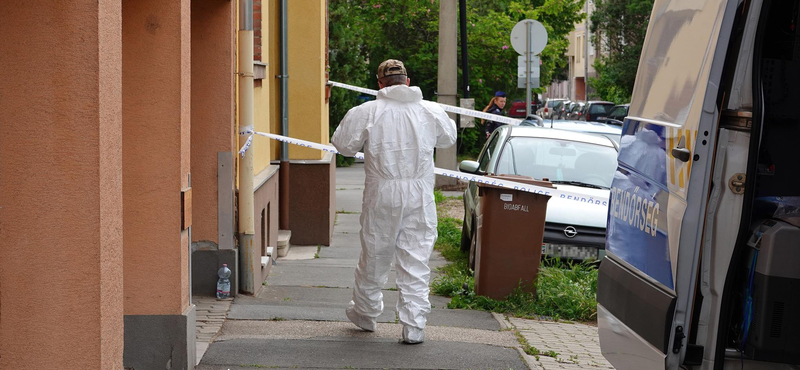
(275, 312)
(577, 345)
(291, 329)
(349, 201)
(347, 223)
(352, 176)
(311, 296)
(313, 275)
(463, 319)
(298, 252)
(359, 353)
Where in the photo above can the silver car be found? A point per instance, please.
(573, 161)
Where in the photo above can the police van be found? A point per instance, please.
(703, 241)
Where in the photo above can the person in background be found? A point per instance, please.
(495, 106)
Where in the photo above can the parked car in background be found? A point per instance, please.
(576, 111)
(596, 109)
(548, 108)
(573, 161)
(517, 109)
(616, 115)
(565, 109)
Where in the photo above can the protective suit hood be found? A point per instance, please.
(401, 92)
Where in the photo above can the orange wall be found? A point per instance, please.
(60, 172)
(212, 107)
(155, 153)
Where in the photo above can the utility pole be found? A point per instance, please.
(462, 14)
(448, 77)
(586, 53)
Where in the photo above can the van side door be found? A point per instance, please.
(647, 281)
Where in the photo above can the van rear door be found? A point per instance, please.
(647, 281)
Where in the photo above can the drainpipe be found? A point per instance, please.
(247, 260)
(283, 218)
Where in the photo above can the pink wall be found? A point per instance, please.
(60, 172)
(155, 153)
(212, 107)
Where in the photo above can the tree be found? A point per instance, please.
(366, 32)
(622, 25)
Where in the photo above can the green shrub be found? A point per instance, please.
(564, 290)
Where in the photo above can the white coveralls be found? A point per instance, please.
(398, 133)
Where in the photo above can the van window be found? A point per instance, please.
(675, 65)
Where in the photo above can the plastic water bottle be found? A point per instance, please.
(224, 282)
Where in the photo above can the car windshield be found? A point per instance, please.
(560, 161)
(552, 103)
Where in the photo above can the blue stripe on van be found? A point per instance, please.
(637, 213)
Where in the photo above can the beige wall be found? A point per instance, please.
(212, 108)
(155, 111)
(60, 172)
(261, 145)
(308, 111)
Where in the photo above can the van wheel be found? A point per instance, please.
(473, 246)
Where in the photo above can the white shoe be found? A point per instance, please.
(363, 322)
(412, 335)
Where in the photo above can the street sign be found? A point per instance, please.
(521, 81)
(528, 37)
(534, 67)
(538, 36)
(467, 121)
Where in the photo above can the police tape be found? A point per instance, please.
(495, 181)
(446, 107)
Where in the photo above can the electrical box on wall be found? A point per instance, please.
(186, 208)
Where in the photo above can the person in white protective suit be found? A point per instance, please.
(398, 133)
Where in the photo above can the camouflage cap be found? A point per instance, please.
(391, 67)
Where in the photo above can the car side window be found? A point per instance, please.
(617, 113)
(487, 154)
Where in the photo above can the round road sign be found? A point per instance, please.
(538, 36)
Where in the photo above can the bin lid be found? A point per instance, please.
(521, 179)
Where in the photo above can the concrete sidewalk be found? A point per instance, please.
(298, 321)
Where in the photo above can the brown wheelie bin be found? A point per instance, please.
(509, 237)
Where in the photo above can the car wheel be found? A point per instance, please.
(473, 246)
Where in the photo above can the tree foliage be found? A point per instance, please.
(622, 25)
(363, 33)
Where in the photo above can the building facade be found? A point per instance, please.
(582, 53)
(119, 124)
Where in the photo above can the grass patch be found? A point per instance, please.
(343, 212)
(438, 196)
(564, 290)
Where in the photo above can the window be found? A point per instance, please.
(617, 113)
(486, 157)
(600, 108)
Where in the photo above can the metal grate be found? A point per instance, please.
(777, 320)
